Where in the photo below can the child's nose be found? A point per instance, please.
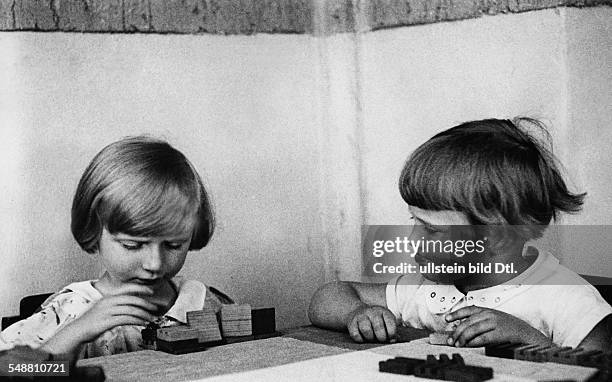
(154, 259)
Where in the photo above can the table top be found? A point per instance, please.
(304, 354)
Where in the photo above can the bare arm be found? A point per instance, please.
(600, 337)
(333, 303)
(357, 307)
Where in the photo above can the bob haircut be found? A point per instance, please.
(492, 170)
(140, 186)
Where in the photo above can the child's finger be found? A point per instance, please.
(464, 325)
(380, 331)
(121, 320)
(133, 289)
(134, 301)
(462, 313)
(129, 310)
(483, 339)
(390, 324)
(365, 328)
(353, 330)
(473, 331)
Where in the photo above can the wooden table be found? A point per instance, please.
(275, 358)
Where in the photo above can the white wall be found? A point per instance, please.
(301, 138)
(241, 108)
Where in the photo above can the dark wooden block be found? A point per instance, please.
(185, 346)
(408, 333)
(467, 373)
(505, 350)
(399, 365)
(263, 320)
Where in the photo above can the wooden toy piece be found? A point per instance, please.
(149, 336)
(399, 365)
(467, 373)
(445, 368)
(180, 346)
(521, 352)
(263, 321)
(177, 333)
(504, 350)
(235, 312)
(560, 355)
(408, 333)
(236, 320)
(205, 321)
(440, 338)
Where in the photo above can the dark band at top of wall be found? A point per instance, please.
(318, 17)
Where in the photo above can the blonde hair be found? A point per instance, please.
(140, 186)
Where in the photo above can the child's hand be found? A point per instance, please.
(124, 307)
(483, 326)
(371, 323)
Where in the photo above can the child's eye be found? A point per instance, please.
(174, 246)
(131, 245)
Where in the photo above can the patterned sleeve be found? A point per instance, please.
(58, 311)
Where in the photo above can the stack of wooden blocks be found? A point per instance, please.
(204, 327)
(201, 332)
(236, 320)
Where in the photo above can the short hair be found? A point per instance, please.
(492, 170)
(140, 186)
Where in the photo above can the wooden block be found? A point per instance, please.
(521, 352)
(177, 333)
(210, 334)
(559, 355)
(263, 320)
(439, 338)
(236, 312)
(399, 365)
(179, 347)
(408, 333)
(505, 350)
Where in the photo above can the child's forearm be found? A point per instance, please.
(332, 304)
(63, 342)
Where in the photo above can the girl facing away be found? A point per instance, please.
(490, 175)
(139, 207)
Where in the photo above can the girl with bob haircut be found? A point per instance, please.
(139, 207)
(490, 179)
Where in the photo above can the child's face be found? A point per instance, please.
(436, 226)
(143, 260)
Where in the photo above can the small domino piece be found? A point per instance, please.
(439, 338)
